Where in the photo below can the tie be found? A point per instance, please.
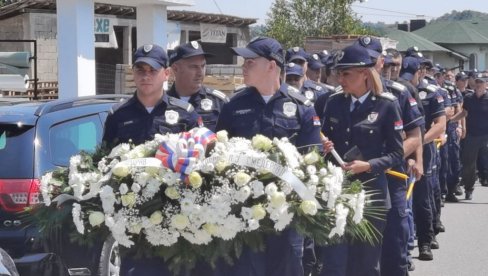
(356, 106)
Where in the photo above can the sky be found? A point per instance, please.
(387, 11)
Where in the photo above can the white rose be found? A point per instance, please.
(243, 194)
(257, 188)
(195, 180)
(278, 199)
(121, 170)
(311, 170)
(211, 228)
(179, 221)
(135, 228)
(123, 189)
(253, 224)
(156, 218)
(128, 200)
(241, 178)
(309, 207)
(258, 212)
(96, 218)
(271, 188)
(311, 158)
(323, 171)
(222, 136)
(172, 192)
(221, 165)
(261, 142)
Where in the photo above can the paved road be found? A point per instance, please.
(464, 246)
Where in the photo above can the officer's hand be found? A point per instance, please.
(357, 166)
(327, 144)
(463, 134)
(443, 139)
(459, 132)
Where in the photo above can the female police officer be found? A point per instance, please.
(364, 126)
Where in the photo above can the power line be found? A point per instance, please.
(405, 13)
(217, 5)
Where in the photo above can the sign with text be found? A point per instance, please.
(213, 33)
(104, 33)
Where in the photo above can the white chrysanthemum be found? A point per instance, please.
(44, 187)
(359, 207)
(243, 194)
(271, 188)
(311, 170)
(108, 199)
(123, 189)
(78, 218)
(341, 213)
(119, 150)
(257, 188)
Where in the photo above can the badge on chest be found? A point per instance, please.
(309, 94)
(171, 117)
(372, 117)
(289, 109)
(206, 104)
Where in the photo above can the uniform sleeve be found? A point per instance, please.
(309, 135)
(437, 105)
(447, 100)
(223, 122)
(393, 154)
(109, 131)
(412, 117)
(320, 105)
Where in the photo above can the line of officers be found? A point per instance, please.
(376, 110)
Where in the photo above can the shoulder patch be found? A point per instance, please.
(398, 86)
(330, 87)
(181, 104)
(295, 94)
(120, 105)
(388, 95)
(339, 89)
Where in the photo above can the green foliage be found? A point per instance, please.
(291, 21)
(462, 15)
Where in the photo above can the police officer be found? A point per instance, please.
(310, 89)
(294, 75)
(188, 63)
(423, 205)
(364, 126)
(150, 110)
(315, 66)
(394, 252)
(475, 109)
(273, 109)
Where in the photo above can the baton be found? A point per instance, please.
(410, 186)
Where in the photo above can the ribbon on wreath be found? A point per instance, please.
(181, 155)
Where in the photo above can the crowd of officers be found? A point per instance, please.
(377, 109)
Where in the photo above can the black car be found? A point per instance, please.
(36, 137)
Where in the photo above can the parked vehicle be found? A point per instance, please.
(36, 137)
(7, 265)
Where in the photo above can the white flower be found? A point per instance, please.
(341, 220)
(123, 189)
(257, 188)
(135, 228)
(152, 170)
(211, 228)
(119, 150)
(253, 224)
(261, 142)
(311, 158)
(241, 178)
(222, 136)
(277, 199)
(179, 221)
(170, 178)
(271, 188)
(108, 199)
(323, 172)
(172, 192)
(314, 179)
(135, 188)
(195, 180)
(243, 194)
(128, 200)
(286, 188)
(299, 173)
(246, 213)
(258, 212)
(96, 218)
(121, 170)
(309, 207)
(77, 218)
(359, 207)
(221, 165)
(311, 170)
(156, 217)
(44, 187)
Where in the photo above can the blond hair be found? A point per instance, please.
(373, 81)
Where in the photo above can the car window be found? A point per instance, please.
(16, 151)
(71, 137)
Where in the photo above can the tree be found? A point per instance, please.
(291, 21)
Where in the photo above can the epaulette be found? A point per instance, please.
(388, 95)
(431, 88)
(429, 78)
(119, 105)
(295, 94)
(339, 89)
(330, 87)
(217, 94)
(396, 85)
(181, 104)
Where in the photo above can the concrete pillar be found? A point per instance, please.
(76, 48)
(151, 24)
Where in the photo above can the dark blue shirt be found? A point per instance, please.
(321, 101)
(477, 119)
(410, 113)
(287, 114)
(130, 120)
(312, 90)
(432, 103)
(207, 103)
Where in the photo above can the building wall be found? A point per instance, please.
(43, 28)
(480, 51)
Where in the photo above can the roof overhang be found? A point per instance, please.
(148, 2)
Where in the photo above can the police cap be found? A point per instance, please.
(353, 56)
(265, 47)
(186, 50)
(410, 66)
(151, 54)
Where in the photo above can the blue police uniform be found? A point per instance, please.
(453, 147)
(433, 106)
(130, 120)
(371, 132)
(394, 258)
(207, 102)
(321, 101)
(287, 114)
(312, 90)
